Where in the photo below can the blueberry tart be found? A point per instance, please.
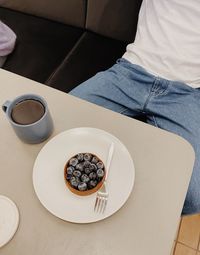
(84, 173)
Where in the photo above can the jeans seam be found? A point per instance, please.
(155, 121)
(123, 111)
(155, 85)
(163, 92)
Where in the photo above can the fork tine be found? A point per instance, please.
(96, 201)
(99, 203)
(102, 205)
(105, 204)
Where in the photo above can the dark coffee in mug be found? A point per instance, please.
(27, 111)
(29, 117)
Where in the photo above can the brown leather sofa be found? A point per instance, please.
(64, 42)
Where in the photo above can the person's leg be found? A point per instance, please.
(172, 106)
(175, 107)
(122, 88)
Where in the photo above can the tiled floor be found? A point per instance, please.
(188, 238)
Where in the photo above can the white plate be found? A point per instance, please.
(48, 174)
(9, 220)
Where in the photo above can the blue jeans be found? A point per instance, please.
(170, 105)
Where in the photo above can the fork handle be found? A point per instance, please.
(109, 159)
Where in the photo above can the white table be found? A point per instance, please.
(146, 224)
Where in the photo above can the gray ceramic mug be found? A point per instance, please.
(30, 118)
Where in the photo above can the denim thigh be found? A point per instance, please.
(122, 88)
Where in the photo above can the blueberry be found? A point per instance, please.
(82, 186)
(92, 175)
(74, 183)
(73, 179)
(92, 184)
(85, 178)
(94, 160)
(78, 179)
(87, 170)
(77, 173)
(80, 166)
(100, 165)
(87, 156)
(93, 167)
(70, 170)
(68, 176)
(100, 173)
(80, 157)
(86, 164)
(73, 161)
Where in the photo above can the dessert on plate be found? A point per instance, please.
(84, 173)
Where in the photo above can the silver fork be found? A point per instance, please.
(102, 194)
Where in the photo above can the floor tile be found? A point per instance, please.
(199, 243)
(184, 250)
(189, 231)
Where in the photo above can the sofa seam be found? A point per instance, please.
(66, 57)
(86, 12)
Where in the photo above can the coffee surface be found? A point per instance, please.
(27, 112)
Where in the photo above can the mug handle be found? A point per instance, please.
(5, 106)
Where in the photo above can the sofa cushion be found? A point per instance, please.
(71, 12)
(93, 53)
(114, 18)
(41, 44)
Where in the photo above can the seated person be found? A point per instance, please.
(7, 42)
(159, 77)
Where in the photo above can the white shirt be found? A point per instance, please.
(167, 42)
